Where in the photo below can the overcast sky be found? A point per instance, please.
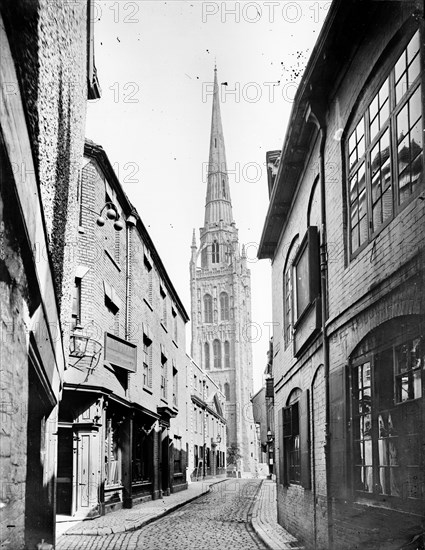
(155, 63)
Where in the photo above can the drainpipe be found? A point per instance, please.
(317, 116)
(325, 340)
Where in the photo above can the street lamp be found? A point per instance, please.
(270, 440)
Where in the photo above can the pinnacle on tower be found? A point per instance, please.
(218, 207)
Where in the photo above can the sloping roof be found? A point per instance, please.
(97, 152)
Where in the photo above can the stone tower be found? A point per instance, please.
(221, 300)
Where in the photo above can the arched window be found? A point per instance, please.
(208, 309)
(224, 188)
(217, 354)
(207, 355)
(227, 391)
(224, 306)
(226, 355)
(215, 252)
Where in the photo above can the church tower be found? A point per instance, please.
(221, 300)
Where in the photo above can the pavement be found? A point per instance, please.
(263, 515)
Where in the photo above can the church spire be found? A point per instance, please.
(218, 206)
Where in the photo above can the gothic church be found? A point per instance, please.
(221, 300)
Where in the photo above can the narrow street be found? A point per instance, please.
(219, 520)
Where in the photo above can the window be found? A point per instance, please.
(76, 304)
(208, 308)
(287, 305)
(387, 387)
(178, 455)
(175, 386)
(227, 391)
(224, 306)
(215, 253)
(93, 87)
(204, 257)
(112, 300)
(112, 453)
(147, 361)
(175, 325)
(207, 355)
(149, 274)
(195, 418)
(227, 355)
(195, 455)
(217, 354)
(294, 429)
(384, 149)
(164, 374)
(223, 183)
(306, 272)
(142, 455)
(164, 307)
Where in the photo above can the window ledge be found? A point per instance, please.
(81, 229)
(175, 343)
(116, 264)
(147, 389)
(164, 400)
(148, 304)
(179, 474)
(164, 327)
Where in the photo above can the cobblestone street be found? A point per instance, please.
(219, 520)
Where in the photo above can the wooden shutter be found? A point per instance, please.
(280, 449)
(338, 424)
(304, 425)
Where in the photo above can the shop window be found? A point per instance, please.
(217, 354)
(112, 453)
(387, 392)
(224, 306)
(384, 149)
(208, 308)
(142, 455)
(294, 421)
(178, 455)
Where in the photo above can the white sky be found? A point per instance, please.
(155, 64)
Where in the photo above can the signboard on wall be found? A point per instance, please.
(120, 353)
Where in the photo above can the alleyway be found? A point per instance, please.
(219, 520)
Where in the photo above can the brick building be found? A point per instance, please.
(122, 419)
(220, 286)
(47, 73)
(206, 426)
(344, 231)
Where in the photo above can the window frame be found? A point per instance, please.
(208, 308)
(217, 351)
(380, 443)
(386, 72)
(310, 246)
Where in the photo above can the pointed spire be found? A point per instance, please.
(218, 205)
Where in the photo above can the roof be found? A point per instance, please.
(343, 28)
(97, 152)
